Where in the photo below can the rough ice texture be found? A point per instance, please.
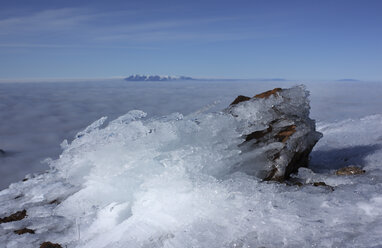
(174, 182)
(279, 135)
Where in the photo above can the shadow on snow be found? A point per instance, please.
(337, 158)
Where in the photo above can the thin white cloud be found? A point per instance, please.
(164, 30)
(68, 18)
(73, 27)
(171, 35)
(30, 45)
(47, 20)
(168, 24)
(54, 46)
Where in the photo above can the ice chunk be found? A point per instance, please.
(279, 135)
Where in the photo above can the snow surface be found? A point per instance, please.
(163, 180)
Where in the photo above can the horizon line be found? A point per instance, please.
(82, 79)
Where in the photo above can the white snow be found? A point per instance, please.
(165, 180)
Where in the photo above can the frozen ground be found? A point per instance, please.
(138, 191)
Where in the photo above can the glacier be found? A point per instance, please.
(142, 181)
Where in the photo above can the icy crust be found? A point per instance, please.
(174, 182)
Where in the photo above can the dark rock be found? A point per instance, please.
(318, 184)
(299, 184)
(257, 135)
(56, 201)
(285, 133)
(50, 245)
(350, 170)
(17, 197)
(14, 217)
(23, 231)
(289, 135)
(240, 99)
(2, 153)
(268, 93)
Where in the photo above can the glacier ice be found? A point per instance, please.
(173, 182)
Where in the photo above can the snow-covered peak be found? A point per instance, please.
(137, 77)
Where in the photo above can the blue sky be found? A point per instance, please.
(216, 39)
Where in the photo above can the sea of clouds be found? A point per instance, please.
(37, 117)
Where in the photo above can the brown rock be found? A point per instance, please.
(317, 184)
(240, 99)
(258, 134)
(14, 217)
(268, 93)
(23, 231)
(50, 245)
(284, 135)
(350, 170)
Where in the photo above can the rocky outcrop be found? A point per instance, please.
(50, 245)
(278, 133)
(24, 231)
(2, 153)
(14, 217)
(350, 170)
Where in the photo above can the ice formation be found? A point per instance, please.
(279, 135)
(177, 181)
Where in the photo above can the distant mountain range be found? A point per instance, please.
(137, 77)
(348, 80)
